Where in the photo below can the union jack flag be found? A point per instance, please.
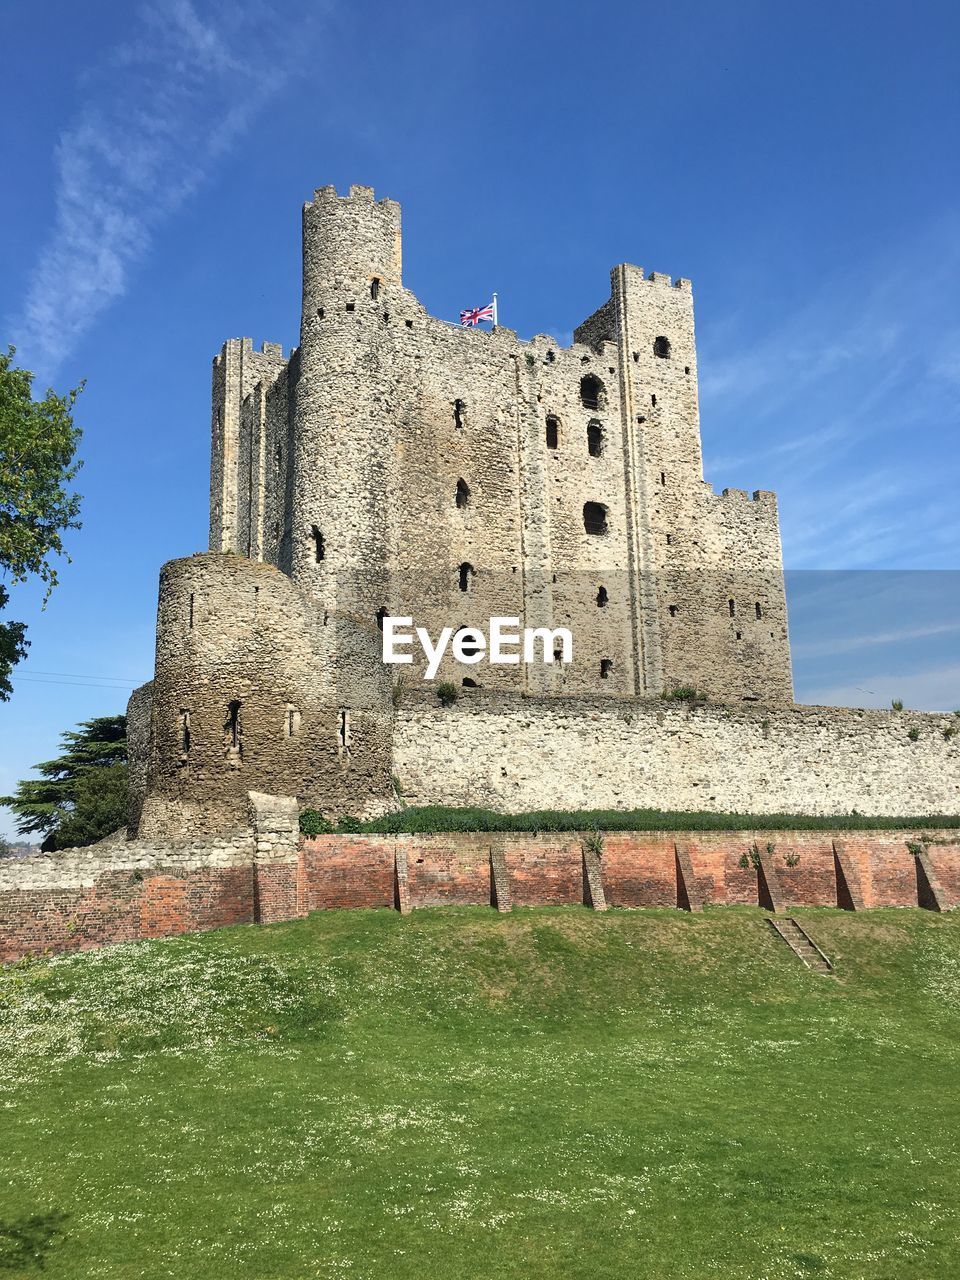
(476, 314)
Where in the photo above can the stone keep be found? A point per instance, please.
(397, 464)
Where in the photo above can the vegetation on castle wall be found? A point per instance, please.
(437, 818)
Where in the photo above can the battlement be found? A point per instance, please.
(356, 194)
(245, 347)
(658, 278)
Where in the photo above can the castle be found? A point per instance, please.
(395, 464)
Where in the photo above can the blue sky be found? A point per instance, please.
(799, 163)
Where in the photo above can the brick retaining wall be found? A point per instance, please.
(124, 892)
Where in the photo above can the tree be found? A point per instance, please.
(82, 795)
(38, 445)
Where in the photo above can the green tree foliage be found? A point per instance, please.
(82, 795)
(38, 445)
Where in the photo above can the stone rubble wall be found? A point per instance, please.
(523, 754)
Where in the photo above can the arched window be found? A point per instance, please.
(594, 438)
(375, 288)
(602, 598)
(463, 493)
(466, 572)
(319, 550)
(553, 432)
(661, 347)
(469, 648)
(591, 392)
(594, 517)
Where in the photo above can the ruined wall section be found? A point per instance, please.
(139, 721)
(521, 754)
(238, 704)
(236, 371)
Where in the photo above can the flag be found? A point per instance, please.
(476, 314)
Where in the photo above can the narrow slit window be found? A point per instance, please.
(594, 439)
(463, 493)
(553, 432)
(653, 401)
(191, 612)
(732, 606)
(291, 721)
(380, 615)
(663, 477)
(344, 735)
(465, 573)
(602, 597)
(319, 550)
(375, 288)
(673, 611)
(184, 732)
(458, 411)
(232, 729)
(758, 609)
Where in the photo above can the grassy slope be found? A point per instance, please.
(457, 1094)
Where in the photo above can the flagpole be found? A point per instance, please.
(494, 310)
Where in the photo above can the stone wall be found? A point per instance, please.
(127, 892)
(521, 754)
(123, 892)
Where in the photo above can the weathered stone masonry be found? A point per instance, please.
(394, 463)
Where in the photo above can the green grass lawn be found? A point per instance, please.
(552, 1093)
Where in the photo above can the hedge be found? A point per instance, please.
(437, 818)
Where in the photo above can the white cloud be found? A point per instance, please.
(158, 111)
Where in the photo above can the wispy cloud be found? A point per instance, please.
(159, 110)
(937, 689)
(848, 409)
(853, 644)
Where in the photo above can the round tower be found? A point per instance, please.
(346, 398)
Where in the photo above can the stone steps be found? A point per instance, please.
(800, 943)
